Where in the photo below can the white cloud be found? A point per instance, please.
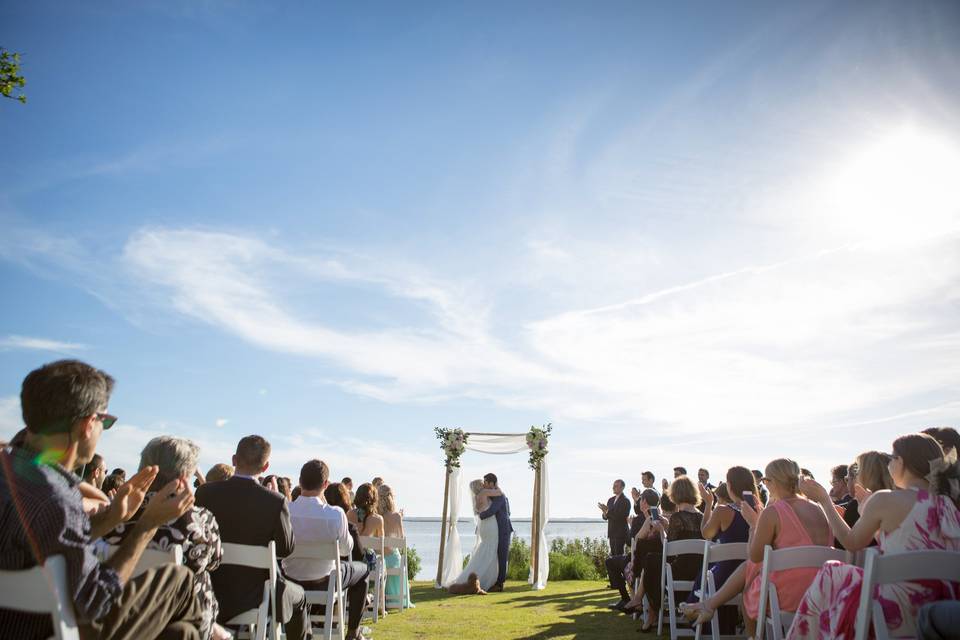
(39, 344)
(10, 419)
(221, 422)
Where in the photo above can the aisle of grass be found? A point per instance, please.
(573, 609)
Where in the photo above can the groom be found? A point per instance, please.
(500, 507)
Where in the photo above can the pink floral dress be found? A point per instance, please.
(829, 608)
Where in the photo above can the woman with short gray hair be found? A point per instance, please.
(196, 530)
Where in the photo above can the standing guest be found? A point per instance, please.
(393, 528)
(704, 477)
(790, 521)
(316, 521)
(647, 479)
(95, 471)
(111, 484)
(376, 482)
(64, 408)
(677, 472)
(249, 513)
(948, 438)
(838, 484)
(921, 513)
(219, 472)
(120, 473)
(615, 512)
(348, 484)
(364, 513)
(195, 531)
(758, 479)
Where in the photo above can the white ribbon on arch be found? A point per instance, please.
(496, 444)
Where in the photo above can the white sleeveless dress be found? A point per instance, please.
(483, 558)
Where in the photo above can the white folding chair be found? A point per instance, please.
(713, 553)
(669, 586)
(811, 557)
(899, 567)
(333, 598)
(42, 589)
(396, 601)
(151, 558)
(377, 578)
(259, 619)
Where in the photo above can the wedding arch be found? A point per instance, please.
(454, 442)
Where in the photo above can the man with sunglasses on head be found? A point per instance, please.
(64, 408)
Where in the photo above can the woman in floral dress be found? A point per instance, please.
(196, 530)
(920, 514)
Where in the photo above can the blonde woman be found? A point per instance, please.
(393, 528)
(484, 561)
(790, 520)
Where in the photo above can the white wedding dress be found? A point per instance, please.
(483, 558)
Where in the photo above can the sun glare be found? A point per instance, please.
(902, 189)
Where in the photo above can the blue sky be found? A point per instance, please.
(696, 235)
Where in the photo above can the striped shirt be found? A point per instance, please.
(41, 515)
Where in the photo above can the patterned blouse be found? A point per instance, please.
(197, 532)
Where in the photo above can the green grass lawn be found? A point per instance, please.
(568, 609)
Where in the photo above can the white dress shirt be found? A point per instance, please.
(315, 521)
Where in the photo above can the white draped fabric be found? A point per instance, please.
(499, 444)
(452, 554)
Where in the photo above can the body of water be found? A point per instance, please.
(424, 534)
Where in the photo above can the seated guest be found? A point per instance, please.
(921, 513)
(725, 524)
(348, 484)
(316, 521)
(790, 521)
(684, 524)
(219, 472)
(617, 565)
(873, 474)
(195, 531)
(393, 528)
(364, 513)
(376, 482)
(64, 407)
(251, 514)
(120, 473)
(336, 496)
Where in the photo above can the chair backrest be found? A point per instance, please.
(811, 557)
(42, 590)
(899, 567)
(716, 552)
(246, 555)
(373, 542)
(151, 558)
(683, 547)
(395, 543)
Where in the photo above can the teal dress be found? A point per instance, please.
(397, 585)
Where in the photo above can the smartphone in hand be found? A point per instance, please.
(749, 499)
(654, 513)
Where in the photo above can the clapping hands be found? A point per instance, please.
(171, 501)
(815, 491)
(128, 497)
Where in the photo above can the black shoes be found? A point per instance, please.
(497, 588)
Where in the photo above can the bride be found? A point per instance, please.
(483, 560)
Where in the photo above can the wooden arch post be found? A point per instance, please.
(535, 529)
(443, 524)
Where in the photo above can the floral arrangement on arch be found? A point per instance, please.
(453, 442)
(537, 439)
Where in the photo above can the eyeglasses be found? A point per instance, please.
(107, 419)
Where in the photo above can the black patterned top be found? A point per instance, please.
(197, 532)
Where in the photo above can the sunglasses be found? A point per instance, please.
(107, 419)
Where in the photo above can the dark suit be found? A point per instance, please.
(500, 507)
(249, 513)
(618, 508)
